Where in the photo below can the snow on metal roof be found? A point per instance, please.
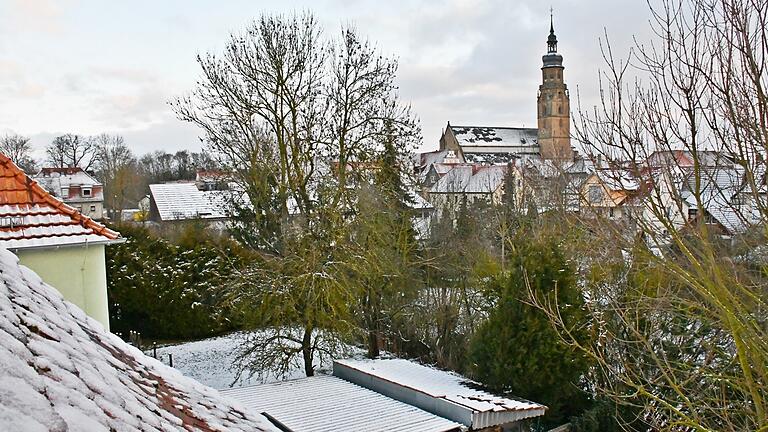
(325, 403)
(177, 201)
(471, 179)
(32, 217)
(60, 370)
(483, 139)
(443, 393)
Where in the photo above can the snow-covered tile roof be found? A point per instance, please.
(417, 202)
(718, 186)
(177, 201)
(471, 179)
(618, 179)
(54, 179)
(449, 394)
(326, 403)
(61, 371)
(32, 217)
(483, 139)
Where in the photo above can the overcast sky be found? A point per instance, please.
(110, 66)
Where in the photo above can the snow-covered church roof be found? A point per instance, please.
(485, 139)
(61, 371)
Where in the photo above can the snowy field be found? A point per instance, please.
(210, 361)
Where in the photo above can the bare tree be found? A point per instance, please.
(680, 318)
(71, 150)
(19, 151)
(292, 115)
(116, 167)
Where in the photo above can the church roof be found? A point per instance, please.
(32, 217)
(485, 139)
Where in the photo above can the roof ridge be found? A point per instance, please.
(495, 127)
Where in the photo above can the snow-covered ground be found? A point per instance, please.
(211, 361)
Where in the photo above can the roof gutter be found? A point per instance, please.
(118, 240)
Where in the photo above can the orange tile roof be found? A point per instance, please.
(30, 216)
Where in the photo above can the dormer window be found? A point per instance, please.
(65, 192)
(86, 192)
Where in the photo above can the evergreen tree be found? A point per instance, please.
(516, 350)
(383, 235)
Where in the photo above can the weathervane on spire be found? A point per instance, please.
(552, 39)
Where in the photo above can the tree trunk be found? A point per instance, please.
(373, 344)
(306, 351)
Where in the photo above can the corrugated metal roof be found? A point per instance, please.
(177, 201)
(325, 403)
(448, 392)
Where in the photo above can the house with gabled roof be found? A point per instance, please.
(65, 247)
(180, 201)
(75, 187)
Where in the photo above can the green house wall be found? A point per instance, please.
(78, 272)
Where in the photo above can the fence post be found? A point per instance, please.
(154, 349)
(170, 359)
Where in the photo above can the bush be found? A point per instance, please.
(170, 291)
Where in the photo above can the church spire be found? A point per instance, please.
(552, 39)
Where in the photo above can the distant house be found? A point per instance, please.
(63, 372)
(181, 201)
(210, 180)
(468, 183)
(76, 188)
(609, 193)
(65, 247)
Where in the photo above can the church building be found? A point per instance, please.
(501, 145)
(472, 161)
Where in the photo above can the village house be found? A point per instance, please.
(184, 201)
(75, 187)
(54, 239)
(608, 194)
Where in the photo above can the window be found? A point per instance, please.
(611, 212)
(86, 192)
(595, 194)
(93, 208)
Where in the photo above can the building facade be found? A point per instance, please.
(54, 239)
(76, 188)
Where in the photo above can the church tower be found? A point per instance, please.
(554, 105)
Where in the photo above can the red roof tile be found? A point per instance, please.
(30, 216)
